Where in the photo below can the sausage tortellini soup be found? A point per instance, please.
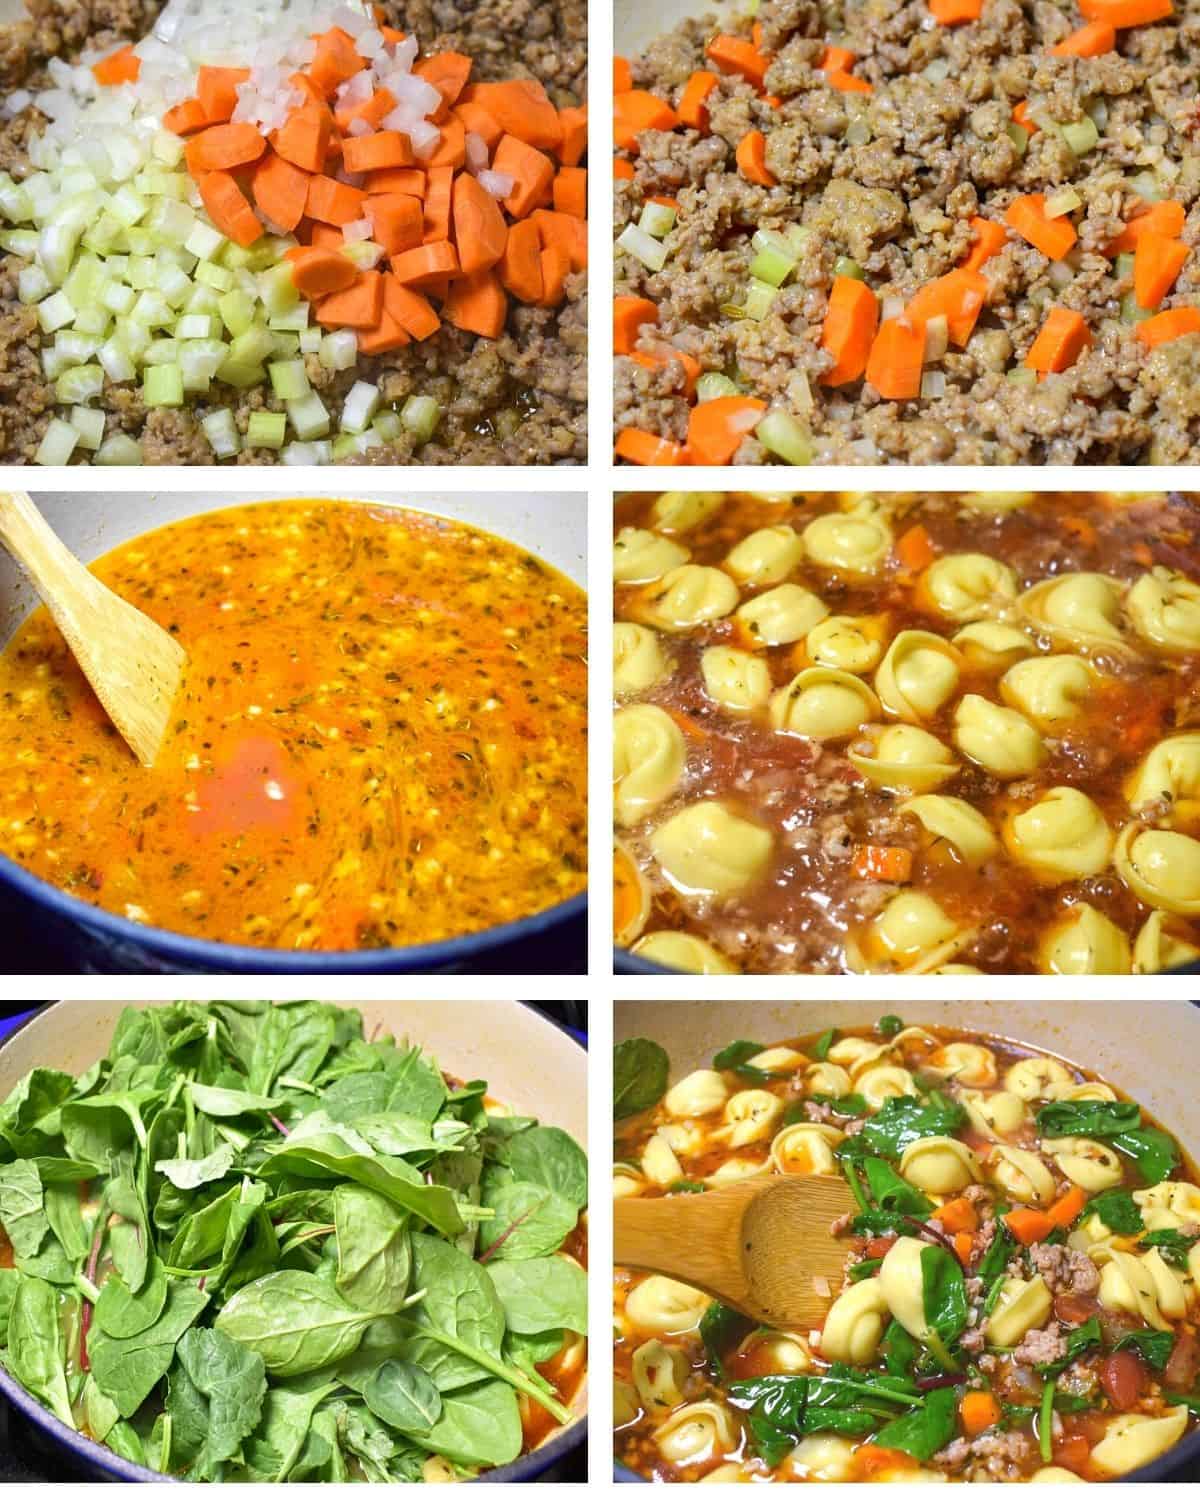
(908, 733)
(1021, 1286)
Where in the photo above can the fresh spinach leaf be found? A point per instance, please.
(1090, 1117)
(640, 1072)
(188, 1174)
(891, 1191)
(905, 1119)
(232, 1382)
(540, 1295)
(22, 1208)
(1154, 1152)
(944, 1296)
(722, 1329)
(36, 1356)
(1116, 1210)
(899, 1349)
(548, 1157)
(1153, 1346)
(478, 1425)
(823, 1044)
(374, 1256)
(923, 1432)
(404, 1397)
(1171, 1244)
(122, 1314)
(294, 1321)
(528, 1222)
(128, 1369)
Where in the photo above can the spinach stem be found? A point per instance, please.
(1046, 1422)
(515, 1377)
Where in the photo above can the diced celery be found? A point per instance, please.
(780, 433)
(79, 385)
(844, 266)
(339, 351)
(237, 312)
(134, 338)
(15, 202)
(59, 442)
(55, 312)
(420, 415)
(86, 282)
(119, 449)
(163, 351)
(1065, 201)
(167, 148)
(1132, 311)
(33, 284)
(141, 241)
(221, 431)
(1081, 135)
(345, 446)
(311, 340)
(797, 237)
(171, 220)
(204, 242)
(1022, 376)
(308, 417)
(94, 321)
(57, 245)
(643, 247)
(243, 376)
(118, 365)
(89, 424)
(365, 254)
(287, 345)
(1018, 135)
(307, 453)
(140, 274)
(1124, 263)
(118, 298)
(657, 219)
(388, 425)
(200, 360)
(267, 429)
(22, 242)
(292, 321)
(163, 386)
(713, 384)
(210, 274)
(105, 234)
(362, 402)
(277, 291)
(196, 326)
(203, 300)
(174, 285)
(128, 206)
(151, 310)
(759, 296)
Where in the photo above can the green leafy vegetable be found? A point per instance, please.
(944, 1295)
(1153, 1150)
(1153, 1346)
(1091, 1117)
(923, 1431)
(722, 1329)
(640, 1072)
(823, 1044)
(736, 1059)
(374, 1256)
(889, 1026)
(891, 1191)
(1172, 1245)
(905, 1119)
(1116, 1210)
(403, 1396)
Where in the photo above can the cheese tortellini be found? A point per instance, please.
(765, 556)
(993, 646)
(750, 1115)
(950, 821)
(1161, 868)
(906, 759)
(642, 556)
(1063, 836)
(708, 850)
(781, 615)
(965, 1062)
(683, 510)
(901, 1282)
(698, 1432)
(999, 739)
(806, 1150)
(1169, 775)
(683, 951)
(1164, 609)
(1157, 948)
(879, 1084)
(968, 586)
(1076, 609)
(1084, 941)
(1134, 1439)
(821, 704)
(912, 932)
(1022, 1305)
(919, 673)
(857, 541)
(639, 662)
(702, 1092)
(737, 680)
(939, 1164)
(1143, 1285)
(660, 1305)
(996, 1114)
(1049, 690)
(688, 596)
(649, 755)
(1038, 1078)
(847, 643)
(855, 1323)
(1022, 1174)
(660, 1372)
(1091, 1164)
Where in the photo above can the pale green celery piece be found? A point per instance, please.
(1081, 135)
(267, 429)
(1132, 311)
(309, 417)
(657, 219)
(208, 273)
(780, 433)
(772, 266)
(89, 424)
(420, 415)
(289, 379)
(253, 347)
(237, 312)
(58, 443)
(1124, 263)
(759, 296)
(388, 425)
(120, 449)
(278, 291)
(1022, 376)
(221, 431)
(844, 266)
(1018, 135)
(712, 385)
(163, 385)
(81, 384)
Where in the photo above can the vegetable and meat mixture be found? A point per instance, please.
(293, 234)
(911, 231)
(380, 738)
(908, 733)
(250, 1244)
(1020, 1299)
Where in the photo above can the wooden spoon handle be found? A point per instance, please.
(55, 571)
(690, 1237)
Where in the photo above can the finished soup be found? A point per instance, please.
(380, 739)
(908, 733)
(1022, 1278)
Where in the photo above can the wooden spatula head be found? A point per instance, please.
(133, 665)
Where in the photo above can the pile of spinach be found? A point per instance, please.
(250, 1245)
(1119, 1121)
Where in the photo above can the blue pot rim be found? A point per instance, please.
(204, 953)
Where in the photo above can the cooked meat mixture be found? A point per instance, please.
(954, 214)
(519, 399)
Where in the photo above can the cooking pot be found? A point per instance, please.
(517, 1050)
(88, 939)
(1136, 1045)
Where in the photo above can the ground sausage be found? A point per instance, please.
(1065, 1270)
(1041, 1346)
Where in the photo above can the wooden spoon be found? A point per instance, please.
(757, 1245)
(133, 665)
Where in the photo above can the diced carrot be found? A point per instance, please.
(964, 1244)
(955, 12)
(228, 209)
(664, 200)
(357, 306)
(1176, 324)
(637, 446)
(623, 169)
(565, 230)
(1053, 237)
(1092, 40)
(521, 264)
(639, 110)
(378, 152)
(334, 202)
(304, 138)
(1029, 1225)
(847, 83)
(448, 72)
(1165, 218)
(1065, 1210)
(1022, 117)
(216, 89)
(220, 148)
(324, 236)
(1157, 261)
(851, 321)
(556, 267)
(390, 35)
(317, 273)
(304, 85)
(978, 1410)
(121, 66)
(186, 118)
(881, 862)
(521, 108)
(280, 191)
(439, 182)
(958, 296)
(630, 315)
(989, 240)
(897, 356)
(477, 121)
(384, 337)
(693, 102)
(1061, 339)
(690, 726)
(531, 170)
(574, 135)
(666, 356)
(836, 60)
(570, 191)
(734, 54)
(1123, 13)
(477, 304)
(336, 61)
(409, 180)
(751, 158)
(372, 111)
(959, 1213)
(716, 428)
(622, 75)
(397, 221)
(479, 228)
(426, 264)
(451, 150)
(413, 312)
(915, 551)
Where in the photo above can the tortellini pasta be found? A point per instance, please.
(1134, 1439)
(910, 930)
(709, 850)
(683, 951)
(735, 1169)
(858, 541)
(779, 1353)
(951, 821)
(854, 1324)
(626, 1182)
(631, 896)
(1161, 868)
(821, 704)
(993, 646)
(880, 1083)
(1091, 1164)
(1049, 690)
(1170, 775)
(642, 556)
(649, 755)
(660, 1305)
(688, 596)
(968, 586)
(1022, 1305)
(660, 1165)
(1022, 1174)
(683, 510)
(626, 1407)
(996, 502)
(919, 673)
(1063, 836)
(1053, 1474)
(806, 1150)
(939, 1164)
(765, 556)
(847, 643)
(1084, 941)
(828, 1079)
(660, 1372)
(901, 1282)
(1038, 1078)
(823, 1455)
(698, 1432)
(781, 615)
(639, 662)
(1157, 948)
(1143, 1285)
(750, 1115)
(702, 1092)
(1164, 609)
(1078, 609)
(1182, 1199)
(999, 739)
(737, 680)
(777, 1060)
(996, 1114)
(965, 1062)
(906, 759)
